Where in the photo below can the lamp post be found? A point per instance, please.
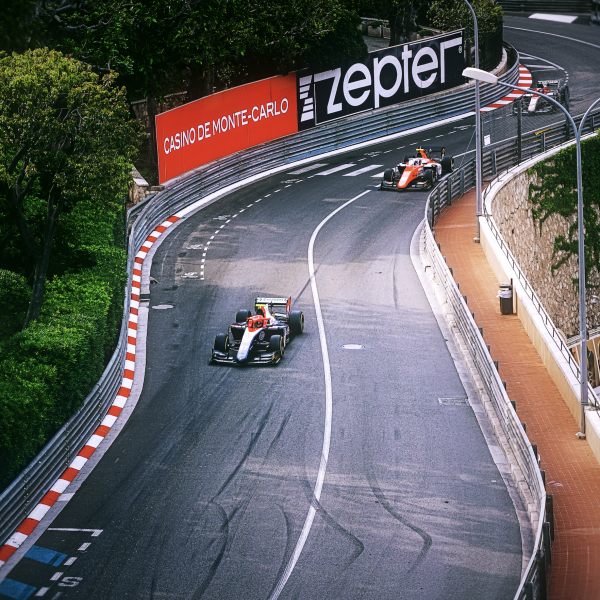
(478, 156)
(480, 75)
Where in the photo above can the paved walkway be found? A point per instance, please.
(572, 471)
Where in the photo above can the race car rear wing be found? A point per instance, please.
(278, 307)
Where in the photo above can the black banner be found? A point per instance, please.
(385, 77)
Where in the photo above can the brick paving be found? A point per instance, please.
(572, 471)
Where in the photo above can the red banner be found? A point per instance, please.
(223, 123)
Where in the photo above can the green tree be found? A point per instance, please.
(401, 15)
(455, 14)
(65, 136)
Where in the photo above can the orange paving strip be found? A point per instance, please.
(572, 471)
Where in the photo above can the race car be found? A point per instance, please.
(259, 339)
(535, 105)
(418, 172)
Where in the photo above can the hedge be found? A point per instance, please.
(47, 370)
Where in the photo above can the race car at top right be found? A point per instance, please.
(537, 105)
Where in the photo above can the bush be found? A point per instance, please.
(47, 370)
(14, 299)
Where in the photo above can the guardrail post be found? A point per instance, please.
(550, 514)
(519, 130)
(528, 588)
(494, 162)
(543, 141)
(546, 535)
(449, 191)
(541, 569)
(462, 182)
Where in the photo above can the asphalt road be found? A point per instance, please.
(205, 492)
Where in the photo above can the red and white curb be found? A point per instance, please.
(62, 483)
(524, 83)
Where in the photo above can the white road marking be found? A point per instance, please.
(267, 195)
(387, 151)
(400, 147)
(56, 575)
(328, 410)
(564, 37)
(234, 216)
(94, 532)
(378, 175)
(306, 169)
(287, 186)
(363, 170)
(558, 18)
(84, 547)
(249, 205)
(361, 159)
(439, 136)
(212, 237)
(336, 169)
(42, 591)
(71, 560)
(221, 226)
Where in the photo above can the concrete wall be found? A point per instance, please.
(534, 251)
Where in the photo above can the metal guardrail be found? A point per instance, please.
(500, 158)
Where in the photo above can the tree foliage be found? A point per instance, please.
(402, 16)
(556, 193)
(65, 137)
(455, 14)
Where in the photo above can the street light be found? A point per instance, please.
(480, 75)
(478, 155)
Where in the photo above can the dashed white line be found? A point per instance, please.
(56, 575)
(336, 169)
(387, 151)
(361, 159)
(84, 547)
(328, 411)
(287, 186)
(228, 221)
(439, 136)
(71, 560)
(267, 195)
(309, 168)
(42, 591)
(363, 170)
(212, 237)
(221, 226)
(275, 191)
(249, 205)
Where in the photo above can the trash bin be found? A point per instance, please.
(506, 298)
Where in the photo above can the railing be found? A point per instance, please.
(500, 158)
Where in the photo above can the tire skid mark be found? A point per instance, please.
(378, 492)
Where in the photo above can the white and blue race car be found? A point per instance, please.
(259, 339)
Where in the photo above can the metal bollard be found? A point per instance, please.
(542, 579)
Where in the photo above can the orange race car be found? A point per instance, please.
(420, 171)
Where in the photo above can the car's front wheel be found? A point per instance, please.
(276, 345)
(222, 343)
(242, 315)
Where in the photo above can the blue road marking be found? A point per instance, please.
(50, 557)
(16, 589)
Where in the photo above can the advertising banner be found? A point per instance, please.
(223, 123)
(385, 77)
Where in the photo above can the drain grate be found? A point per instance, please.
(453, 401)
(353, 346)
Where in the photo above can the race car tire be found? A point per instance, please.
(388, 175)
(276, 344)
(428, 176)
(222, 342)
(242, 315)
(297, 321)
(447, 164)
(406, 157)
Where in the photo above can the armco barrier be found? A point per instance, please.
(31, 485)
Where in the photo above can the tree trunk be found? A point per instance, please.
(201, 83)
(151, 108)
(42, 259)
